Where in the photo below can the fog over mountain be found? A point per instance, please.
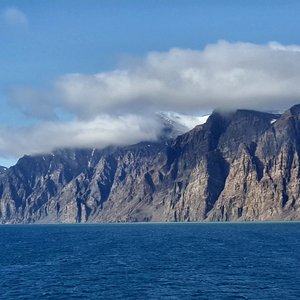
(240, 165)
(120, 106)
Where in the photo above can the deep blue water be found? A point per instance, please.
(151, 261)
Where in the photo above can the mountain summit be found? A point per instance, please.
(237, 166)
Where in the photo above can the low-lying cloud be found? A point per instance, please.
(99, 132)
(222, 75)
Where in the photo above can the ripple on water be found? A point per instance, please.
(150, 261)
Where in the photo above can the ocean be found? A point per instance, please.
(150, 261)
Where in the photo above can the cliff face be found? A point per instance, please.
(241, 165)
(2, 170)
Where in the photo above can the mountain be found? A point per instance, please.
(237, 166)
(175, 124)
(2, 169)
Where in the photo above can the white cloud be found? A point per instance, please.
(12, 16)
(222, 75)
(99, 132)
(231, 75)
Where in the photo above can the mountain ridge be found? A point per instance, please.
(238, 166)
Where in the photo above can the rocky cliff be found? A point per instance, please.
(238, 166)
(2, 169)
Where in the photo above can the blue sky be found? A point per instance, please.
(41, 41)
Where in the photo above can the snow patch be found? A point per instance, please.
(90, 160)
(188, 121)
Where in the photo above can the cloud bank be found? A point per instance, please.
(222, 75)
(98, 133)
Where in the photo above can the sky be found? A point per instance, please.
(91, 73)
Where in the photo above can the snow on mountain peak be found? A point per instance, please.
(187, 121)
(177, 124)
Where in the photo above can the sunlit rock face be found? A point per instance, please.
(237, 166)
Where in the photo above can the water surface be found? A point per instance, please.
(150, 261)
